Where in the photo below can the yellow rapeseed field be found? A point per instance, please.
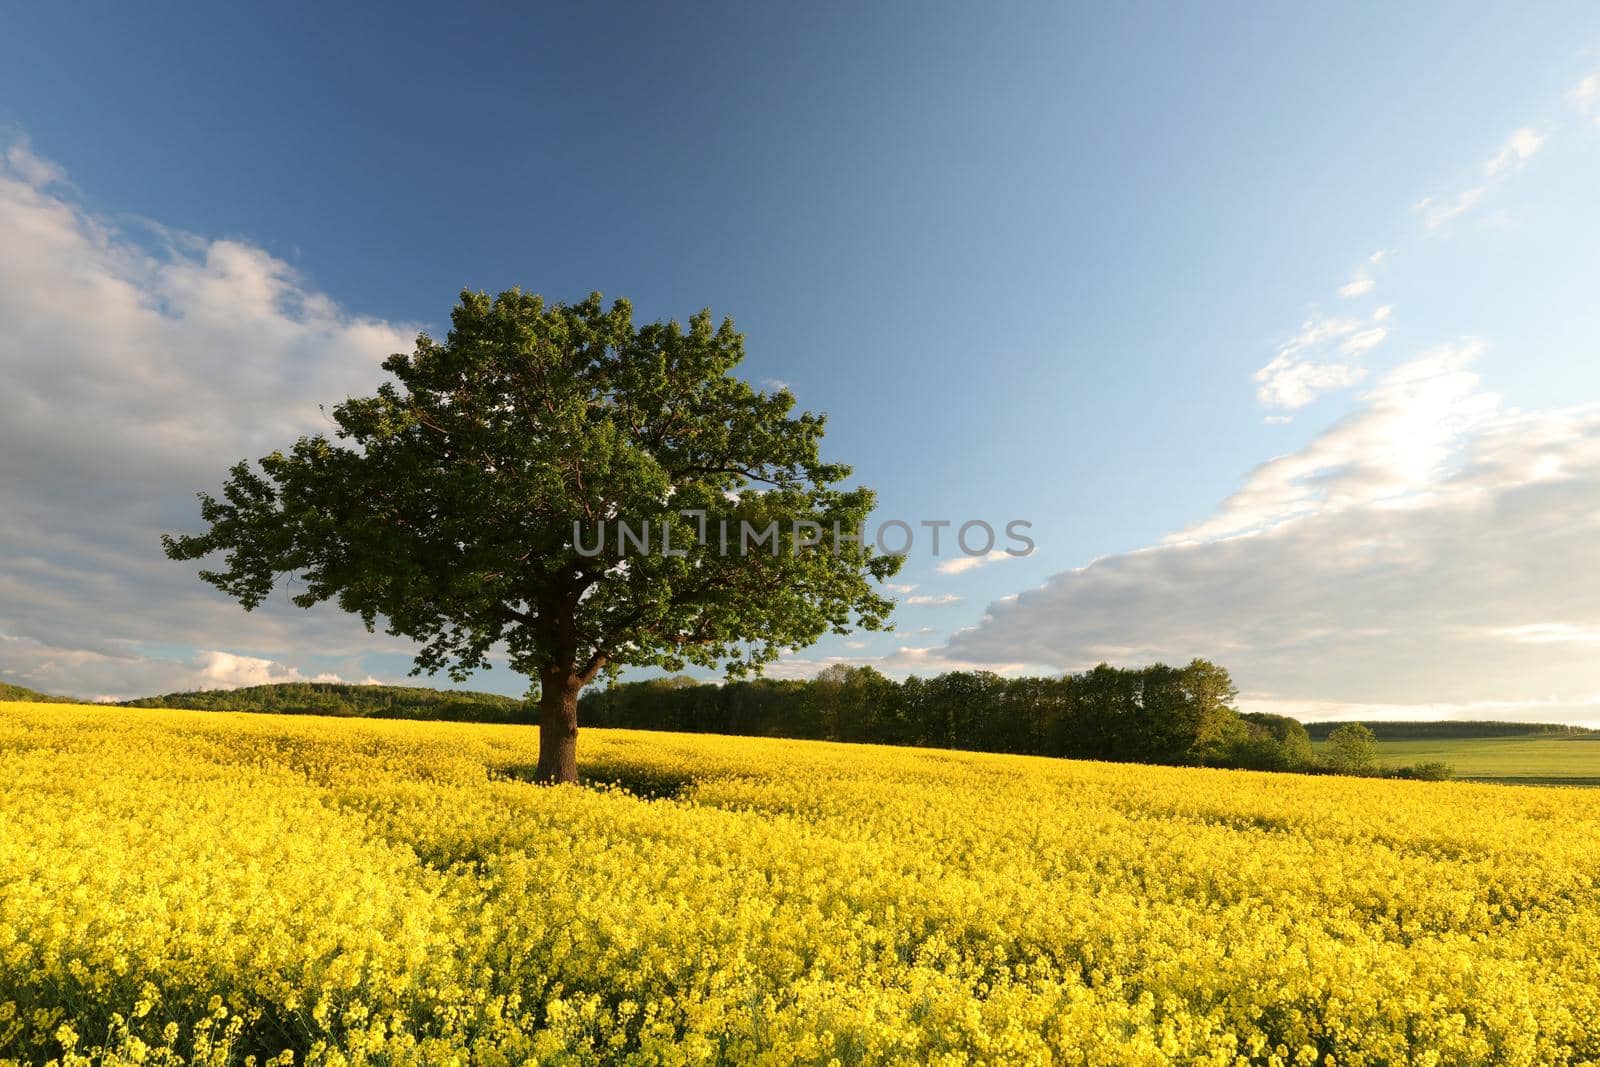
(186, 887)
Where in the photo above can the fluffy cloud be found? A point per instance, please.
(1396, 444)
(103, 676)
(1430, 555)
(1324, 355)
(1425, 557)
(139, 363)
(1360, 285)
(962, 564)
(32, 169)
(1520, 148)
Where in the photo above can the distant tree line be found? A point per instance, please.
(357, 701)
(1158, 714)
(1454, 729)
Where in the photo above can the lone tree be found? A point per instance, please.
(557, 482)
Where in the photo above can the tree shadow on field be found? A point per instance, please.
(642, 780)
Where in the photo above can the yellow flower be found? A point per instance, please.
(184, 888)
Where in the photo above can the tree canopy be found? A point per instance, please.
(1352, 748)
(474, 502)
(1154, 714)
(22, 694)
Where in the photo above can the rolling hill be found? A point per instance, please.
(30, 696)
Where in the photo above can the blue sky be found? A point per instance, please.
(1031, 260)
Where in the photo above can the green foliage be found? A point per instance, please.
(450, 513)
(358, 701)
(450, 504)
(1455, 728)
(1428, 771)
(30, 696)
(1157, 714)
(1272, 743)
(1352, 749)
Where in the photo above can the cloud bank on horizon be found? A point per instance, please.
(1431, 556)
(1428, 556)
(139, 363)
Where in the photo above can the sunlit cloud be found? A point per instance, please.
(180, 355)
(962, 564)
(1360, 285)
(1435, 213)
(1521, 147)
(1430, 555)
(1324, 355)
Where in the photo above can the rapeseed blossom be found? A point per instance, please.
(222, 888)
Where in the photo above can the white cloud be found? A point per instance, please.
(1360, 285)
(1304, 368)
(907, 660)
(1585, 97)
(900, 587)
(1575, 712)
(1323, 356)
(1364, 341)
(1434, 550)
(1435, 214)
(1425, 557)
(1538, 633)
(962, 564)
(1397, 444)
(124, 675)
(139, 363)
(933, 601)
(775, 384)
(31, 169)
(1293, 384)
(1520, 148)
(225, 670)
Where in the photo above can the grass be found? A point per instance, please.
(1519, 760)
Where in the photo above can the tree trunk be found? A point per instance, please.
(558, 726)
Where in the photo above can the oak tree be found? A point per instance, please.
(477, 503)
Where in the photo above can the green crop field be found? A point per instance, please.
(1526, 760)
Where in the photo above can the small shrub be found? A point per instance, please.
(1427, 771)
